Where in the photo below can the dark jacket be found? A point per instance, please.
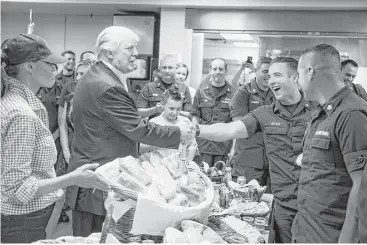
(107, 126)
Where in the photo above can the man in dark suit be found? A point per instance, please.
(107, 124)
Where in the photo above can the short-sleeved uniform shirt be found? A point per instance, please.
(50, 98)
(249, 152)
(334, 146)
(152, 94)
(359, 90)
(210, 109)
(283, 133)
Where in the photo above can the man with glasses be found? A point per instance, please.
(149, 103)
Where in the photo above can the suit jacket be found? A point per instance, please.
(107, 126)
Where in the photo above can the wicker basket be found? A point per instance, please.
(122, 227)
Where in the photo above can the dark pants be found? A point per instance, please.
(85, 223)
(25, 228)
(211, 159)
(283, 220)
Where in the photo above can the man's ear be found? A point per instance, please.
(109, 55)
(311, 73)
(295, 77)
(29, 66)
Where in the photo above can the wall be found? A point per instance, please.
(75, 32)
(172, 32)
(262, 20)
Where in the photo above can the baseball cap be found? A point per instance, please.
(29, 47)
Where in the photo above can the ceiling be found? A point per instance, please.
(74, 8)
(108, 7)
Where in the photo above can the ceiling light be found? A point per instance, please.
(243, 37)
(246, 45)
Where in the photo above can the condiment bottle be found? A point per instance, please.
(227, 175)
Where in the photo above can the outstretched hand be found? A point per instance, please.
(85, 177)
(187, 131)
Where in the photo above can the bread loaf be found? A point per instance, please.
(155, 159)
(133, 166)
(175, 165)
(132, 183)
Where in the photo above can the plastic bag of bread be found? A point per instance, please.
(175, 165)
(133, 166)
(155, 159)
(206, 233)
(132, 183)
(154, 193)
(166, 185)
(174, 236)
(179, 200)
(148, 167)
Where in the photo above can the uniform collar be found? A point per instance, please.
(303, 104)
(23, 91)
(254, 88)
(60, 75)
(333, 103)
(160, 84)
(227, 88)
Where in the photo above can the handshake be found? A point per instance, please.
(188, 131)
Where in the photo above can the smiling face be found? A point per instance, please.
(218, 71)
(262, 76)
(70, 62)
(181, 74)
(172, 109)
(124, 56)
(282, 82)
(168, 70)
(349, 73)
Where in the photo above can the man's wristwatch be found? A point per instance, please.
(197, 130)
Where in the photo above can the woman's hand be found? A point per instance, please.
(67, 156)
(85, 177)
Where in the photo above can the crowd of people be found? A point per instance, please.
(297, 127)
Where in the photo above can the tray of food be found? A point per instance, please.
(238, 208)
(234, 230)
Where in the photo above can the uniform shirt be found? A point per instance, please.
(28, 152)
(211, 109)
(189, 144)
(359, 90)
(63, 79)
(152, 94)
(334, 146)
(249, 152)
(67, 92)
(50, 98)
(283, 134)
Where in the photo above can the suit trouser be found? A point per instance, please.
(85, 223)
(283, 220)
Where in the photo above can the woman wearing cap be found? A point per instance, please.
(29, 186)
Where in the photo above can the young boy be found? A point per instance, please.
(172, 104)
